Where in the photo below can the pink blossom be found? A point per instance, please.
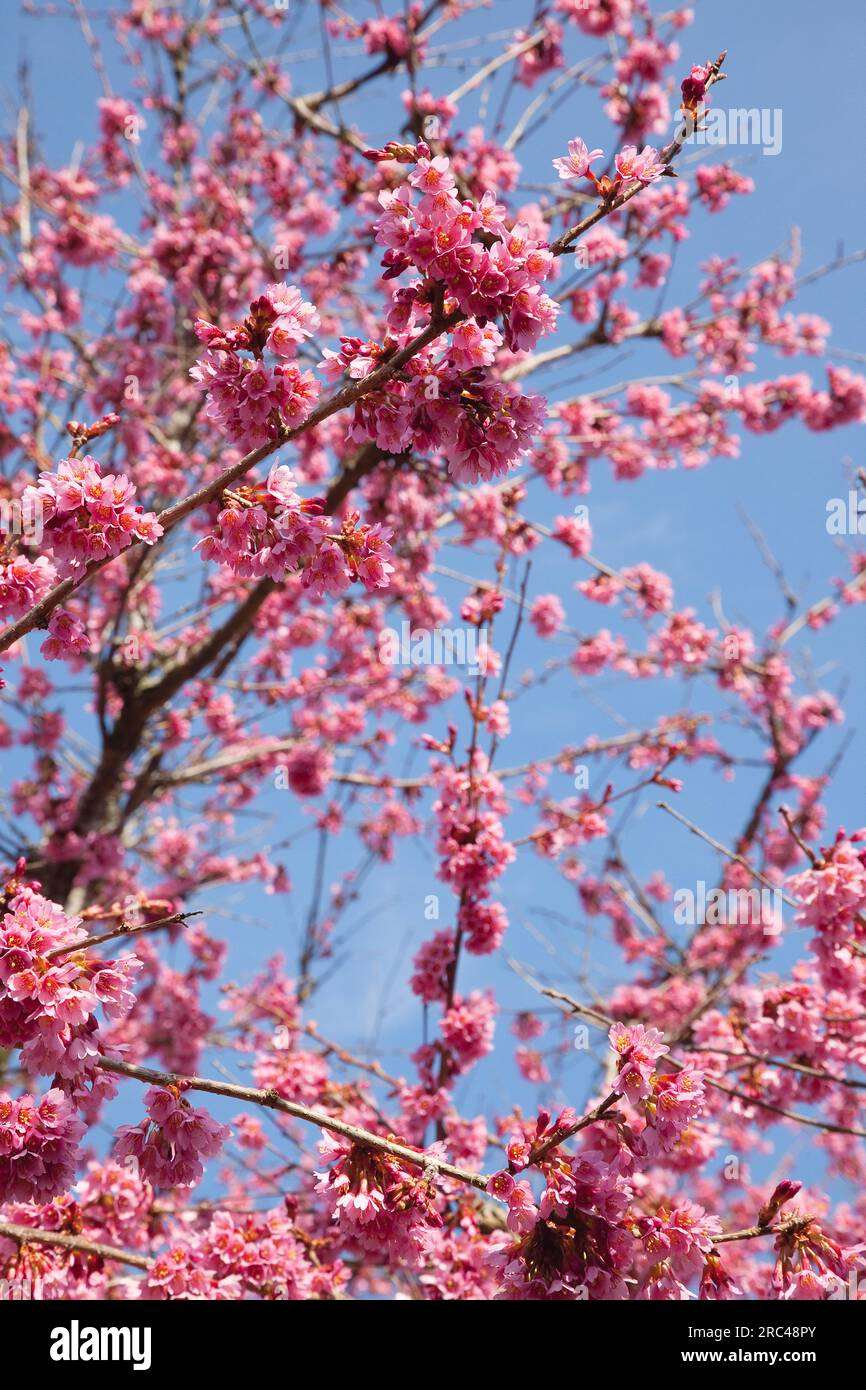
(644, 167)
(171, 1142)
(576, 164)
(38, 1145)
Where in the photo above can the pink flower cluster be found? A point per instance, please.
(481, 425)
(88, 515)
(171, 1142)
(435, 956)
(468, 1027)
(579, 1241)
(23, 583)
(669, 1101)
(639, 1049)
(522, 1211)
(122, 1220)
(38, 1146)
(252, 402)
(67, 636)
(472, 844)
(598, 17)
(832, 900)
(269, 530)
(241, 1256)
(474, 852)
(48, 1005)
(809, 1265)
(119, 125)
(716, 184)
(677, 1099)
(694, 87)
(834, 890)
(633, 169)
(309, 769)
(499, 278)
(381, 1205)
(576, 1245)
(680, 1237)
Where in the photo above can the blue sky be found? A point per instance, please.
(805, 60)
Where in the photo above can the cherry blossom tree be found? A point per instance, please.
(262, 370)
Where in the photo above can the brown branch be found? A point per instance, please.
(176, 513)
(509, 55)
(601, 1021)
(343, 398)
(667, 157)
(599, 1113)
(120, 932)
(800, 1068)
(31, 1235)
(754, 1232)
(272, 1101)
(817, 609)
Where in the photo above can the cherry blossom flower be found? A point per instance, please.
(171, 1142)
(38, 1145)
(643, 168)
(576, 164)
